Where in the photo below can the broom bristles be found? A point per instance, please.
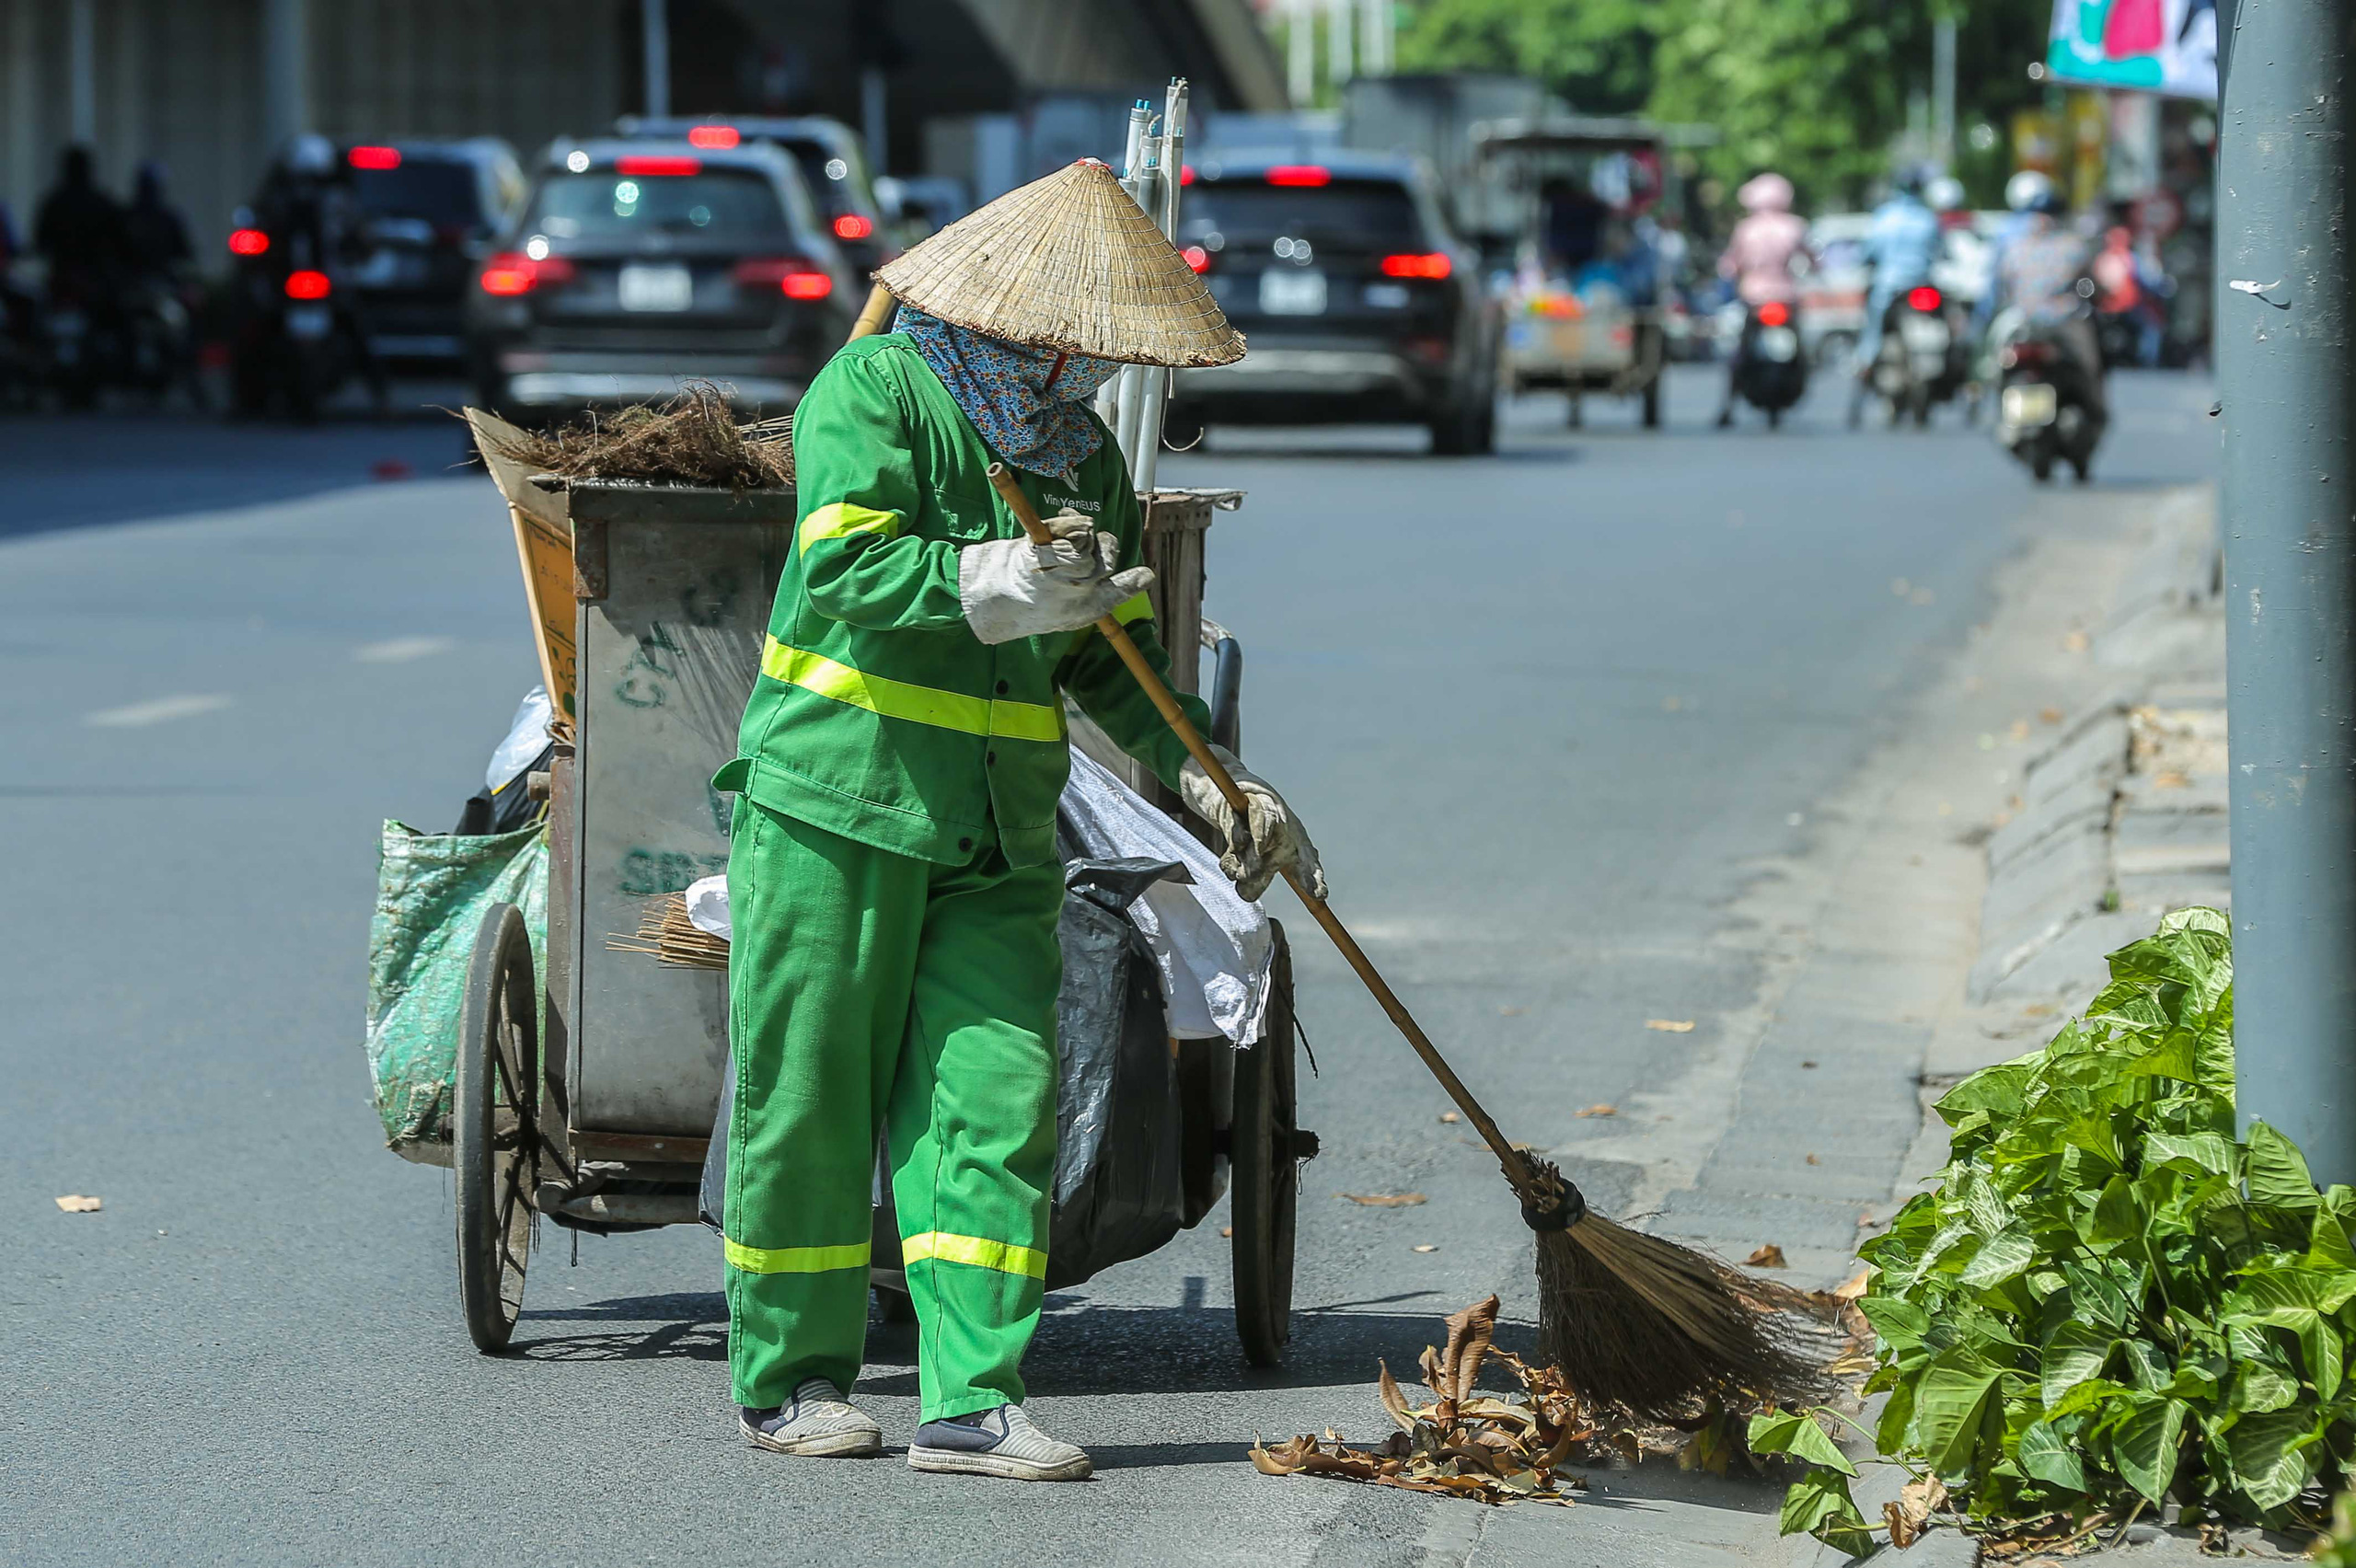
(1656, 1329)
(666, 934)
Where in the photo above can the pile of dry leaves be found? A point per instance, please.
(1465, 1443)
(693, 439)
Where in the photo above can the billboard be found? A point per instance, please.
(2153, 46)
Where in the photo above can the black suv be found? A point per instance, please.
(1359, 303)
(637, 265)
(833, 162)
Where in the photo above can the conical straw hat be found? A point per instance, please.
(1070, 263)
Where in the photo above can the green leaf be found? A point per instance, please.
(2211, 1152)
(1797, 1433)
(1948, 1404)
(2271, 1455)
(2001, 1257)
(2049, 1457)
(2145, 1445)
(2327, 1246)
(1899, 1323)
(2258, 1387)
(2277, 1172)
(1819, 1504)
(2078, 1351)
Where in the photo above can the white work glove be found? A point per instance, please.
(1277, 839)
(1011, 588)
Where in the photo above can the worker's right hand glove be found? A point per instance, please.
(1011, 588)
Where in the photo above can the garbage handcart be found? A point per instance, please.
(584, 1079)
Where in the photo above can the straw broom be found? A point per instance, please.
(1633, 1321)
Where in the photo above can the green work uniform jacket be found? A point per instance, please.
(878, 714)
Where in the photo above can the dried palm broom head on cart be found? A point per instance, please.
(693, 439)
(666, 934)
(1069, 263)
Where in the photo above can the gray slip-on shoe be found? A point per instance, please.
(1002, 1442)
(817, 1423)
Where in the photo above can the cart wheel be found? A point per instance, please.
(1264, 1152)
(495, 1141)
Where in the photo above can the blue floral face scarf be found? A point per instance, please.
(1031, 404)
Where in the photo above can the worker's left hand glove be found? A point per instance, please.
(1274, 839)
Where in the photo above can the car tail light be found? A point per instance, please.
(1774, 312)
(790, 275)
(1197, 258)
(716, 136)
(1432, 264)
(374, 157)
(1922, 297)
(641, 166)
(1300, 174)
(308, 283)
(853, 226)
(1185, 174)
(248, 242)
(511, 272)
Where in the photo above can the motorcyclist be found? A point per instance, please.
(2022, 192)
(157, 235)
(2040, 277)
(1900, 247)
(79, 231)
(1758, 259)
(311, 210)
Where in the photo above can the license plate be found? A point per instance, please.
(388, 268)
(1780, 344)
(2031, 403)
(1292, 291)
(1925, 334)
(307, 320)
(656, 288)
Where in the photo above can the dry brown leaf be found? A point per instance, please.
(2051, 715)
(1425, 1247)
(2172, 778)
(1449, 1118)
(2020, 731)
(1225, 1231)
(1670, 1025)
(1813, 1160)
(1853, 1286)
(1387, 1386)
(1917, 1501)
(76, 1203)
(1469, 1335)
(1598, 1111)
(1771, 1256)
(2077, 642)
(1385, 1200)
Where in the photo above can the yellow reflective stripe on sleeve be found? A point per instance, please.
(917, 705)
(842, 517)
(1133, 609)
(1003, 1256)
(795, 1260)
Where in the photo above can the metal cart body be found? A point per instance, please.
(600, 1118)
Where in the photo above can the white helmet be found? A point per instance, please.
(1945, 194)
(2024, 189)
(310, 152)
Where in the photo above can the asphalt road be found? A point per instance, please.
(1541, 712)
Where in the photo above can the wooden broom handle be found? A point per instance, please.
(877, 311)
(1516, 1168)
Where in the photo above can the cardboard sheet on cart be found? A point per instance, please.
(1213, 950)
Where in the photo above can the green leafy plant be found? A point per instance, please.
(2108, 1300)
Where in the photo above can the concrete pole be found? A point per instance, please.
(2284, 376)
(81, 72)
(654, 50)
(1943, 92)
(23, 110)
(285, 70)
(1301, 53)
(1337, 41)
(874, 124)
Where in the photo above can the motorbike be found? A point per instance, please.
(292, 343)
(1922, 359)
(2044, 410)
(1771, 373)
(80, 340)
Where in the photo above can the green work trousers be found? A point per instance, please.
(866, 986)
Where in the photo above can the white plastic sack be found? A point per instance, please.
(1213, 950)
(707, 906)
(528, 737)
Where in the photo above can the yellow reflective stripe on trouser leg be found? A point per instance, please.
(919, 705)
(1003, 1256)
(841, 518)
(796, 1260)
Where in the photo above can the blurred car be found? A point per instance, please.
(637, 265)
(833, 161)
(423, 212)
(1832, 292)
(1360, 303)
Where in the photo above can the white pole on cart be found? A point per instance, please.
(1157, 378)
(1146, 190)
(1108, 400)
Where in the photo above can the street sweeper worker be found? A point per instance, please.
(892, 878)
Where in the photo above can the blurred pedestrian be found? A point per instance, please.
(1760, 259)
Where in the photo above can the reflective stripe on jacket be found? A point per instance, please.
(878, 714)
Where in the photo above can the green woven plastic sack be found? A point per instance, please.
(431, 890)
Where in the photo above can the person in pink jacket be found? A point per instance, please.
(1759, 258)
